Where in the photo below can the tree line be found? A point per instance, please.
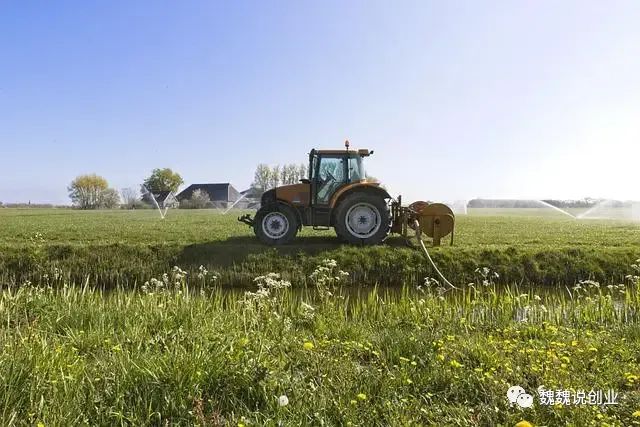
(92, 191)
(267, 177)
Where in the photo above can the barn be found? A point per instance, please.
(221, 195)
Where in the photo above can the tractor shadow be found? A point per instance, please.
(237, 249)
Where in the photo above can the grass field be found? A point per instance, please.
(483, 228)
(126, 247)
(100, 328)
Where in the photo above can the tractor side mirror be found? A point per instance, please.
(305, 181)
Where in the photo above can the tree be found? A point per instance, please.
(199, 200)
(163, 180)
(302, 172)
(130, 198)
(109, 199)
(92, 192)
(275, 176)
(289, 174)
(261, 178)
(267, 177)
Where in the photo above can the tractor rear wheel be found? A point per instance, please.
(275, 224)
(363, 218)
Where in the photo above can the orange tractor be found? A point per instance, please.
(337, 194)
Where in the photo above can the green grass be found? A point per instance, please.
(168, 356)
(121, 248)
(490, 228)
(92, 339)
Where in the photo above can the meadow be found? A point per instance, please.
(122, 248)
(121, 318)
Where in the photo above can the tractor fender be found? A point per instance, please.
(356, 188)
(373, 188)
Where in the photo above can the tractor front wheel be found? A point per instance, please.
(275, 224)
(362, 218)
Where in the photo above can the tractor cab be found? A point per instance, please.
(329, 170)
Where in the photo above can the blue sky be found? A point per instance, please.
(458, 99)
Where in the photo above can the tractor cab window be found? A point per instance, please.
(356, 169)
(331, 173)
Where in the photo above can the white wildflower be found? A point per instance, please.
(283, 400)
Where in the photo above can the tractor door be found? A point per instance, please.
(329, 173)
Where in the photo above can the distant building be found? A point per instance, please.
(221, 194)
(165, 199)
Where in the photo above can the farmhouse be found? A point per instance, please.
(220, 194)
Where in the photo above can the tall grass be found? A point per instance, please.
(179, 351)
(130, 265)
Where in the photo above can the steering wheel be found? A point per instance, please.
(330, 175)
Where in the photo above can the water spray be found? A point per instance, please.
(562, 211)
(162, 212)
(613, 209)
(235, 203)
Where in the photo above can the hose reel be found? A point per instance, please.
(434, 220)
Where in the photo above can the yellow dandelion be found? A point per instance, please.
(636, 414)
(308, 345)
(456, 364)
(524, 423)
(362, 396)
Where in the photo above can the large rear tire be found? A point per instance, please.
(275, 224)
(363, 218)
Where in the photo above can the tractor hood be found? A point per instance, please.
(295, 194)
